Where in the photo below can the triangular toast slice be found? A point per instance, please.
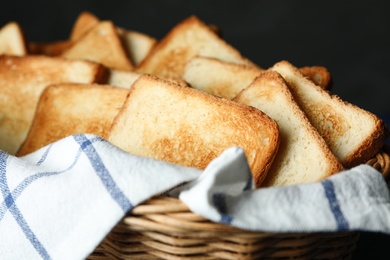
(21, 83)
(181, 125)
(67, 109)
(102, 44)
(226, 79)
(188, 39)
(353, 134)
(217, 77)
(137, 44)
(83, 24)
(303, 155)
(12, 40)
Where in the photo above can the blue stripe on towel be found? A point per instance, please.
(30, 179)
(219, 201)
(45, 154)
(9, 200)
(342, 223)
(103, 173)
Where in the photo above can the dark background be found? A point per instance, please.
(350, 38)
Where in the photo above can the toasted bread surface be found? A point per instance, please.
(190, 38)
(219, 78)
(22, 82)
(49, 48)
(12, 40)
(67, 109)
(101, 44)
(303, 155)
(122, 78)
(83, 24)
(137, 44)
(353, 134)
(163, 120)
(320, 75)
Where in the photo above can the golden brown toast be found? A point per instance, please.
(83, 24)
(353, 134)
(49, 48)
(21, 83)
(188, 39)
(12, 40)
(67, 109)
(219, 78)
(181, 125)
(226, 79)
(101, 44)
(122, 78)
(303, 155)
(138, 45)
(320, 76)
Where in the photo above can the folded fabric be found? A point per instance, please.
(356, 199)
(61, 201)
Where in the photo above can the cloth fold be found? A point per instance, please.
(62, 200)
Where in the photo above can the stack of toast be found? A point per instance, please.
(183, 99)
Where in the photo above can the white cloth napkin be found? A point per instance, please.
(61, 201)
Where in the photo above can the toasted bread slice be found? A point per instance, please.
(138, 45)
(219, 78)
(303, 155)
(83, 24)
(186, 40)
(67, 109)
(163, 120)
(49, 48)
(12, 40)
(21, 83)
(122, 78)
(319, 75)
(226, 79)
(353, 134)
(102, 44)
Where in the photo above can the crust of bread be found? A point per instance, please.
(122, 78)
(67, 109)
(83, 24)
(12, 40)
(353, 134)
(21, 83)
(51, 49)
(219, 78)
(188, 39)
(138, 45)
(101, 44)
(303, 155)
(319, 75)
(166, 121)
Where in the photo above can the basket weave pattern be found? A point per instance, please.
(164, 228)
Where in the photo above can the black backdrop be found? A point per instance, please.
(350, 38)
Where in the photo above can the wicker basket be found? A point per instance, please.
(164, 228)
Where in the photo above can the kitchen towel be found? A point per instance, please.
(62, 200)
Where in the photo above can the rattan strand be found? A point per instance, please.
(164, 228)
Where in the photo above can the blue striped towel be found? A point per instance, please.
(61, 201)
